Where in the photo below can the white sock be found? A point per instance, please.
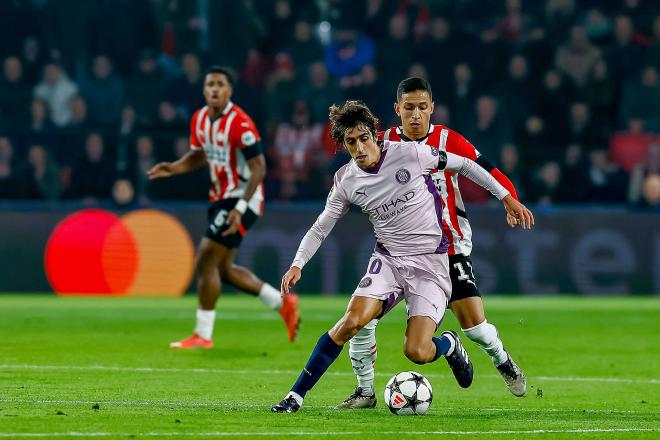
(270, 296)
(485, 336)
(205, 321)
(363, 354)
(295, 396)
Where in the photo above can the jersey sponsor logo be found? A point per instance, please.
(402, 176)
(248, 138)
(365, 282)
(393, 207)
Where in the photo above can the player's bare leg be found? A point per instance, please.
(209, 256)
(471, 316)
(359, 312)
(421, 347)
(246, 281)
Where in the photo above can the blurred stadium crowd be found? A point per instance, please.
(564, 95)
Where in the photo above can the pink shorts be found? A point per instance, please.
(421, 280)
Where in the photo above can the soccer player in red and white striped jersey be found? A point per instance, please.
(414, 106)
(225, 137)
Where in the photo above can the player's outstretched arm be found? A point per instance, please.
(290, 279)
(191, 161)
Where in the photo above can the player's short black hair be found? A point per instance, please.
(413, 84)
(349, 115)
(226, 71)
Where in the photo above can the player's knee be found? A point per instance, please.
(416, 353)
(349, 326)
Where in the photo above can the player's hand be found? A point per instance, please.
(517, 213)
(290, 279)
(162, 169)
(234, 222)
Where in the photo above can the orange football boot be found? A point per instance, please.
(290, 315)
(195, 341)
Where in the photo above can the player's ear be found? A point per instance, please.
(396, 108)
(432, 106)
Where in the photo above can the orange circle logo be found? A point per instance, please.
(145, 252)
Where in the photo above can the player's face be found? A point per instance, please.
(362, 146)
(217, 90)
(415, 110)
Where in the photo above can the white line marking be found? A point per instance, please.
(306, 433)
(287, 372)
(266, 406)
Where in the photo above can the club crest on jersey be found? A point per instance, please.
(402, 176)
(366, 282)
(434, 151)
(248, 138)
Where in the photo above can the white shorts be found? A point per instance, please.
(421, 280)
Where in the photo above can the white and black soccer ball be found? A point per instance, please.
(408, 393)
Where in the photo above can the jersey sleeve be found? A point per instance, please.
(245, 137)
(336, 206)
(195, 143)
(457, 144)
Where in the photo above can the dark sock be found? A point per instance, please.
(324, 354)
(442, 345)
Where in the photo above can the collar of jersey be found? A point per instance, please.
(407, 139)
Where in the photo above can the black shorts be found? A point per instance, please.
(217, 215)
(463, 283)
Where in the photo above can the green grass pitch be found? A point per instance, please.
(101, 368)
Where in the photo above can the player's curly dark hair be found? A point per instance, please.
(349, 115)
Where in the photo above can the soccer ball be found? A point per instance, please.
(408, 393)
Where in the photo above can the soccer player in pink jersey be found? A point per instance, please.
(225, 137)
(391, 182)
(414, 105)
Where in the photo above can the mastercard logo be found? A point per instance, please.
(145, 252)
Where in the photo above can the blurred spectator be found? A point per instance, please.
(535, 139)
(305, 48)
(370, 90)
(546, 185)
(79, 113)
(169, 122)
(393, 68)
(42, 175)
(281, 87)
(641, 99)
(575, 180)
(12, 186)
(145, 158)
(624, 54)
(93, 176)
(321, 91)
(599, 93)
(145, 87)
(40, 129)
(439, 50)
(462, 97)
(553, 100)
(650, 166)
(15, 93)
(582, 129)
(651, 193)
(577, 57)
(652, 52)
(185, 92)
(104, 93)
(514, 90)
(607, 182)
(349, 51)
(296, 150)
(33, 60)
(509, 164)
(57, 90)
(490, 129)
(123, 193)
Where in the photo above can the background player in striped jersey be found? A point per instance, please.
(391, 182)
(225, 137)
(414, 106)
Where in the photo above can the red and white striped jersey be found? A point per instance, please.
(454, 218)
(223, 141)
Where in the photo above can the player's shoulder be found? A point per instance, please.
(241, 115)
(342, 173)
(391, 134)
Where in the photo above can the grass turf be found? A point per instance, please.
(83, 367)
